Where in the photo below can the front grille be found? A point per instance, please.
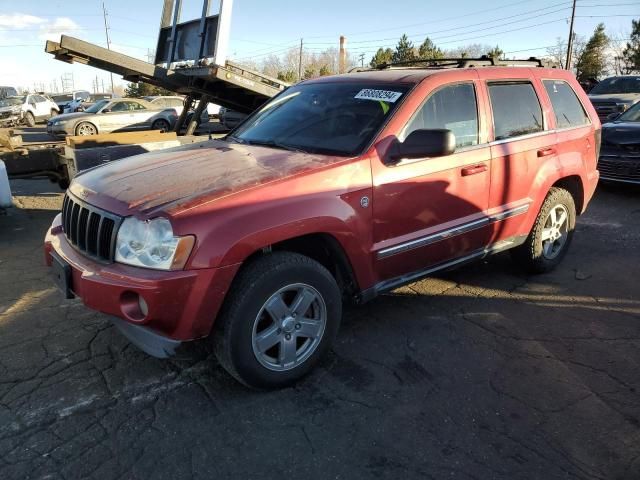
(613, 168)
(5, 114)
(604, 109)
(89, 229)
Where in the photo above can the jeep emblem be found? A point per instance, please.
(364, 202)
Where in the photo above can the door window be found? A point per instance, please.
(516, 109)
(127, 106)
(454, 108)
(567, 108)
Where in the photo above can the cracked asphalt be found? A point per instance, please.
(480, 373)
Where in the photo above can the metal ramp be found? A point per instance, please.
(231, 86)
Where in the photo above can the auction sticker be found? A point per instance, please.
(384, 95)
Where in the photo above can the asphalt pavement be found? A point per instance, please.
(479, 373)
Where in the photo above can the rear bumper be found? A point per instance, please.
(180, 305)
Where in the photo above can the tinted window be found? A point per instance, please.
(326, 117)
(39, 99)
(126, 106)
(566, 106)
(617, 85)
(516, 109)
(453, 107)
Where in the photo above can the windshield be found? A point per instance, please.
(617, 85)
(631, 115)
(7, 102)
(95, 108)
(62, 98)
(332, 118)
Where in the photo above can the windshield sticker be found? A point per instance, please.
(384, 95)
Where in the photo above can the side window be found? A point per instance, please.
(453, 107)
(516, 109)
(160, 102)
(567, 108)
(38, 99)
(119, 107)
(136, 106)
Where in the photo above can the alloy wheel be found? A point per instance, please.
(289, 327)
(555, 231)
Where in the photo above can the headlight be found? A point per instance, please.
(151, 244)
(59, 122)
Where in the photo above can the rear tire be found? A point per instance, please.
(161, 124)
(281, 316)
(29, 119)
(551, 235)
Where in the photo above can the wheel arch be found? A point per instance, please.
(323, 248)
(574, 185)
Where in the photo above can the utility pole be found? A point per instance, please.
(342, 62)
(300, 62)
(362, 60)
(571, 37)
(106, 32)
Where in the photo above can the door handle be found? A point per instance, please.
(546, 152)
(466, 171)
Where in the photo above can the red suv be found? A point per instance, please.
(337, 189)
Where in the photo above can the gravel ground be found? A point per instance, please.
(480, 373)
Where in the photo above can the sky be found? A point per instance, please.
(260, 28)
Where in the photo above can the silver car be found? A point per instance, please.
(105, 116)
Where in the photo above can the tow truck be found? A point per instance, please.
(190, 60)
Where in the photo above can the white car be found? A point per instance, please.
(32, 108)
(177, 103)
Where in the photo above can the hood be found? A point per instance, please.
(13, 108)
(183, 177)
(621, 133)
(615, 97)
(71, 116)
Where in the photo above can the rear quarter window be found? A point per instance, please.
(566, 107)
(516, 109)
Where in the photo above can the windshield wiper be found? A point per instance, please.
(273, 143)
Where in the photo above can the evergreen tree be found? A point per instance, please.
(496, 53)
(428, 49)
(592, 63)
(404, 50)
(325, 70)
(631, 53)
(381, 57)
(141, 89)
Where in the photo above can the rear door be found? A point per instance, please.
(522, 139)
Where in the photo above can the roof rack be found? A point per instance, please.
(484, 61)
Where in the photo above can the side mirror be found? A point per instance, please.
(423, 144)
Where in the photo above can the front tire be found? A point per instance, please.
(280, 318)
(84, 129)
(29, 119)
(551, 235)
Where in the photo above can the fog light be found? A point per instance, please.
(133, 306)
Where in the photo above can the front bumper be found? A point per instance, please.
(619, 167)
(180, 305)
(57, 130)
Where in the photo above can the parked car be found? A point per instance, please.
(8, 92)
(113, 116)
(27, 109)
(620, 153)
(615, 95)
(230, 119)
(177, 103)
(10, 111)
(63, 99)
(81, 104)
(339, 188)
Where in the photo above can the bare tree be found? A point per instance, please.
(617, 61)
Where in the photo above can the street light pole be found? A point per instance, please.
(571, 35)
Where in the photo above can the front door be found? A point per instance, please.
(429, 211)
